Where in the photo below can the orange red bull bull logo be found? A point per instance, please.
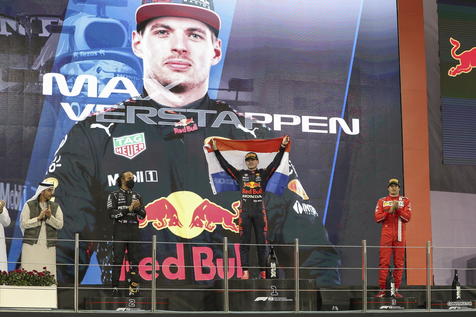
(186, 215)
(250, 184)
(467, 59)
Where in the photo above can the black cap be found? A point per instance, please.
(251, 156)
(393, 181)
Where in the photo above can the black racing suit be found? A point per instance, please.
(125, 232)
(168, 162)
(253, 211)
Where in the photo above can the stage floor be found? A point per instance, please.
(256, 299)
(258, 296)
(406, 313)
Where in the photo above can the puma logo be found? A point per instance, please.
(252, 132)
(100, 126)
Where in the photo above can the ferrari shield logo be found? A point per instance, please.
(129, 145)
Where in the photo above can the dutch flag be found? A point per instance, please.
(234, 152)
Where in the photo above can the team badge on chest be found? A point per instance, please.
(130, 145)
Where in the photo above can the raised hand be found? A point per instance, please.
(285, 141)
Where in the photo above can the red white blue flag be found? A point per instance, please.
(234, 152)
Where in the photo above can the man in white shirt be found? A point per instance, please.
(5, 222)
(41, 218)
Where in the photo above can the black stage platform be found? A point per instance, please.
(255, 297)
(259, 295)
(262, 314)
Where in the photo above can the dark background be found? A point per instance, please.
(299, 55)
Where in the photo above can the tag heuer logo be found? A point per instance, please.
(129, 145)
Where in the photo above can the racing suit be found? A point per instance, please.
(125, 229)
(393, 238)
(253, 211)
(168, 161)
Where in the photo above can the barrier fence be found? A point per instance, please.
(292, 272)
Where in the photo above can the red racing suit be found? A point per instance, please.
(393, 238)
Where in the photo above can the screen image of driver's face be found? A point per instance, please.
(177, 49)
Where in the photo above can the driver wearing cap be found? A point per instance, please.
(393, 212)
(253, 214)
(177, 42)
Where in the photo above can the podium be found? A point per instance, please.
(271, 295)
(385, 303)
(124, 303)
(453, 305)
(244, 295)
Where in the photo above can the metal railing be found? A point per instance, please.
(226, 290)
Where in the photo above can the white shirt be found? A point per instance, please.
(5, 222)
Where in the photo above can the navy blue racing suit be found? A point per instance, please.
(253, 213)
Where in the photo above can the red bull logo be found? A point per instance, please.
(184, 122)
(250, 184)
(185, 126)
(206, 266)
(467, 59)
(162, 214)
(186, 215)
(208, 215)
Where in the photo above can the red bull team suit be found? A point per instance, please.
(393, 238)
(252, 209)
(168, 158)
(125, 229)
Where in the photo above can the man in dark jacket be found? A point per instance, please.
(125, 207)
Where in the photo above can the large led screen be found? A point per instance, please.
(74, 108)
